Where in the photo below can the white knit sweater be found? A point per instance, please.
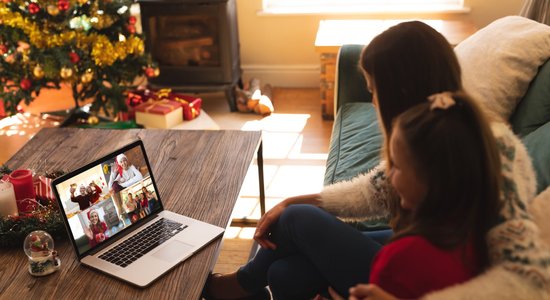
(520, 260)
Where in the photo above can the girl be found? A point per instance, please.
(144, 204)
(436, 150)
(305, 248)
(152, 201)
(97, 229)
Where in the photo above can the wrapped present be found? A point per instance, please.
(159, 114)
(191, 106)
(2, 110)
(133, 99)
(43, 190)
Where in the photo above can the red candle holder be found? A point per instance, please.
(24, 190)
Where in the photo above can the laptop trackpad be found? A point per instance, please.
(172, 250)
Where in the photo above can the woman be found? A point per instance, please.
(304, 249)
(97, 230)
(126, 176)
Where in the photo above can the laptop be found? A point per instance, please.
(116, 219)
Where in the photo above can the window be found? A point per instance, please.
(361, 6)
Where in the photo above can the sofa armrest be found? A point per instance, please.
(350, 85)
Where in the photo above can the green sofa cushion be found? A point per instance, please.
(538, 146)
(355, 143)
(534, 109)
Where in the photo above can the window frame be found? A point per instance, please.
(362, 6)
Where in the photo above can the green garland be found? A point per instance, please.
(13, 230)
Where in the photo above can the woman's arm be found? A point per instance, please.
(496, 283)
(520, 260)
(135, 177)
(114, 177)
(363, 197)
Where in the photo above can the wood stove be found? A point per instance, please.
(196, 43)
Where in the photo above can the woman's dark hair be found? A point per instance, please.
(408, 62)
(455, 153)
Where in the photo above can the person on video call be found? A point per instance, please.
(83, 199)
(97, 229)
(94, 192)
(124, 176)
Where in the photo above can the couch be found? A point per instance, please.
(356, 138)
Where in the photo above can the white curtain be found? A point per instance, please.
(538, 10)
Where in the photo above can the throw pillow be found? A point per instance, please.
(500, 60)
(538, 146)
(534, 109)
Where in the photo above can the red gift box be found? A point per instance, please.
(43, 190)
(191, 106)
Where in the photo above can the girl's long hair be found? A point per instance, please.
(456, 154)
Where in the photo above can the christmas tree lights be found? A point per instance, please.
(90, 45)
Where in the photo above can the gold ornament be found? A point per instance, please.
(87, 77)
(93, 120)
(38, 72)
(82, 2)
(156, 72)
(66, 73)
(104, 52)
(52, 10)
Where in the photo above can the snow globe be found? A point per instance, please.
(43, 260)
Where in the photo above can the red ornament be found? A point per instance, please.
(132, 20)
(34, 8)
(63, 5)
(134, 99)
(131, 29)
(3, 49)
(73, 56)
(150, 72)
(25, 84)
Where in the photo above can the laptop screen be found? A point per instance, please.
(103, 199)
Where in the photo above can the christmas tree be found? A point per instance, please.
(91, 45)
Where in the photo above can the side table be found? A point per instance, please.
(332, 34)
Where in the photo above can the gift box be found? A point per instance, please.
(159, 114)
(191, 106)
(43, 190)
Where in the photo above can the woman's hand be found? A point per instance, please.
(270, 217)
(370, 292)
(262, 229)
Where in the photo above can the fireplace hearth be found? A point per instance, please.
(196, 43)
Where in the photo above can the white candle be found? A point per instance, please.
(8, 205)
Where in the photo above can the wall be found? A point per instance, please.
(279, 49)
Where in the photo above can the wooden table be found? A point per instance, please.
(332, 34)
(198, 173)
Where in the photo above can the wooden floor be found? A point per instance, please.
(295, 140)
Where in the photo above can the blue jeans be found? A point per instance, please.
(315, 250)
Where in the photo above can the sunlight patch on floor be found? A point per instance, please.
(279, 123)
(239, 233)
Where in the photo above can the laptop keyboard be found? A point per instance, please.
(144, 241)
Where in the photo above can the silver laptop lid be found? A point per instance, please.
(108, 197)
